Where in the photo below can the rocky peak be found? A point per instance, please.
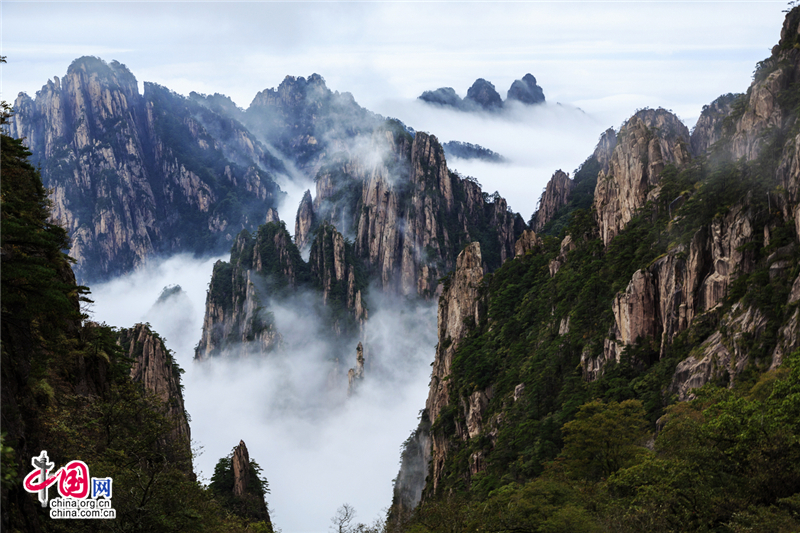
(460, 309)
(240, 463)
(272, 216)
(444, 96)
(154, 367)
(605, 148)
(355, 375)
(526, 91)
(709, 127)
(248, 498)
(484, 95)
(304, 222)
(647, 142)
(555, 196)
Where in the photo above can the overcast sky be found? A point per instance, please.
(678, 55)
(607, 58)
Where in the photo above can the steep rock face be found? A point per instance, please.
(235, 304)
(304, 222)
(132, 175)
(459, 306)
(709, 127)
(645, 144)
(414, 462)
(335, 273)
(722, 356)
(158, 373)
(605, 148)
(526, 91)
(663, 300)
(408, 214)
(555, 196)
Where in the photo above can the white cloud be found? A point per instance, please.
(317, 449)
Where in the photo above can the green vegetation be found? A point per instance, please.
(728, 461)
(66, 387)
(616, 452)
(251, 505)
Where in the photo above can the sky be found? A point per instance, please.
(596, 61)
(605, 58)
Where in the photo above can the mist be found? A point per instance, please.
(317, 447)
(535, 141)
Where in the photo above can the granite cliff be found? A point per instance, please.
(134, 174)
(670, 263)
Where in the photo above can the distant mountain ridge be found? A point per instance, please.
(482, 95)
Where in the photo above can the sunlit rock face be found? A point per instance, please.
(555, 196)
(649, 141)
(459, 306)
(133, 175)
(154, 367)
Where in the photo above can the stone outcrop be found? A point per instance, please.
(236, 319)
(662, 300)
(483, 95)
(709, 127)
(526, 243)
(526, 91)
(154, 367)
(555, 196)
(304, 222)
(566, 247)
(244, 482)
(119, 167)
(645, 144)
(460, 306)
(356, 374)
(335, 273)
(722, 356)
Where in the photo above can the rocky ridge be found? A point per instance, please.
(154, 367)
(123, 166)
(482, 95)
(714, 298)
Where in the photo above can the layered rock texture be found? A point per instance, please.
(646, 143)
(460, 307)
(137, 174)
(159, 374)
(408, 214)
(555, 197)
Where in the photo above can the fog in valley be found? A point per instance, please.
(534, 140)
(317, 447)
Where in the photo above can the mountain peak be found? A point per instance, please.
(526, 91)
